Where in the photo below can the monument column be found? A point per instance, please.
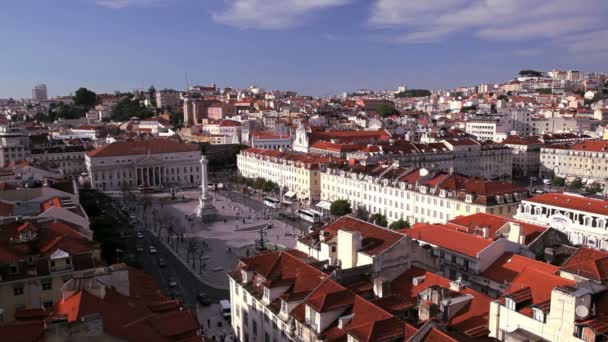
(205, 210)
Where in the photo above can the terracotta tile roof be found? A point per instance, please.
(350, 136)
(437, 335)
(376, 239)
(588, 263)
(330, 297)
(473, 315)
(493, 223)
(128, 318)
(522, 140)
(335, 147)
(448, 238)
(591, 205)
(268, 135)
(142, 147)
(509, 265)
(532, 286)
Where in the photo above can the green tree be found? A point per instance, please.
(546, 91)
(378, 219)
(340, 207)
(465, 109)
(558, 181)
(128, 108)
(594, 188)
(413, 93)
(152, 95)
(401, 224)
(385, 111)
(577, 183)
(530, 73)
(85, 98)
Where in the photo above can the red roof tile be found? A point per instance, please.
(142, 147)
(509, 265)
(493, 223)
(591, 205)
(448, 238)
(375, 238)
(588, 263)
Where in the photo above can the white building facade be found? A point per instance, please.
(151, 163)
(583, 220)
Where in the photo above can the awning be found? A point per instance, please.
(290, 194)
(324, 205)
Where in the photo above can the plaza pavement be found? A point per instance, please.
(222, 239)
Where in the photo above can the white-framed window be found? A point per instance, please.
(266, 294)
(510, 303)
(538, 314)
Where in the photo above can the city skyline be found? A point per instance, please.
(320, 47)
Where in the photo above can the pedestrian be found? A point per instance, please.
(208, 323)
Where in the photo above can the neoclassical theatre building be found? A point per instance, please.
(146, 163)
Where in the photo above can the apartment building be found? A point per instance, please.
(350, 243)
(587, 160)
(168, 98)
(114, 303)
(146, 163)
(14, 145)
(38, 257)
(488, 129)
(295, 172)
(417, 194)
(526, 154)
(270, 140)
(584, 220)
(282, 296)
(486, 159)
(68, 158)
(226, 131)
(466, 255)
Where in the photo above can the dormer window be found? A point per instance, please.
(517, 196)
(284, 307)
(500, 199)
(538, 314)
(441, 193)
(469, 198)
(266, 294)
(510, 303)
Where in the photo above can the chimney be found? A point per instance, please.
(516, 233)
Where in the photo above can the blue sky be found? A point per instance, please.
(317, 47)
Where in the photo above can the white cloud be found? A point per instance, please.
(271, 14)
(433, 20)
(119, 4)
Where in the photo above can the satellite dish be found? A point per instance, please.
(582, 311)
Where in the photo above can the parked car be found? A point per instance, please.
(140, 235)
(139, 249)
(152, 250)
(547, 181)
(172, 282)
(162, 262)
(203, 299)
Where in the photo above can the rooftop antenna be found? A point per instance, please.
(187, 83)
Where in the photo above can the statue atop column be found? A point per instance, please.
(205, 210)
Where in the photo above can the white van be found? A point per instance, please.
(225, 307)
